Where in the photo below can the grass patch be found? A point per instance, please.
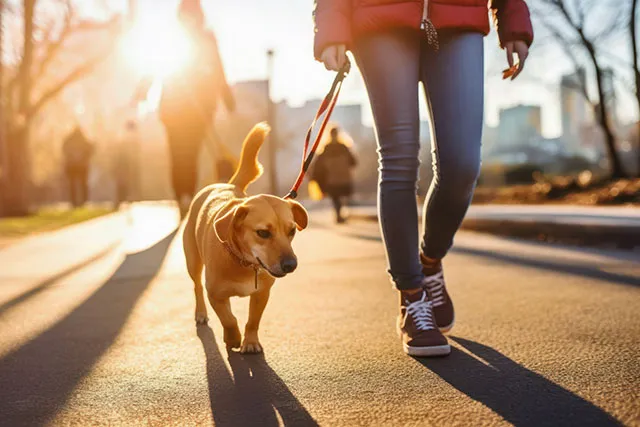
(48, 219)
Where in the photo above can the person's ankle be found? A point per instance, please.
(431, 261)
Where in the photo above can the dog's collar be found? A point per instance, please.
(237, 255)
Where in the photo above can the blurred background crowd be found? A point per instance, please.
(69, 132)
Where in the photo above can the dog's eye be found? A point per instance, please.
(264, 234)
(292, 232)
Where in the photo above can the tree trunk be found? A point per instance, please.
(3, 140)
(15, 200)
(602, 115)
(18, 174)
(636, 72)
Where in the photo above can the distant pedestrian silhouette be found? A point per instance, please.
(77, 151)
(333, 171)
(126, 164)
(189, 100)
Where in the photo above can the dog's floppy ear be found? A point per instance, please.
(225, 225)
(300, 215)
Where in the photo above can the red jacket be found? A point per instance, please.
(340, 21)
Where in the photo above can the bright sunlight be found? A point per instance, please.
(157, 46)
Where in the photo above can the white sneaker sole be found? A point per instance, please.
(436, 350)
(446, 329)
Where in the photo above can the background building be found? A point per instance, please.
(518, 125)
(574, 109)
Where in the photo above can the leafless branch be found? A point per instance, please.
(72, 77)
(580, 12)
(568, 46)
(615, 60)
(54, 47)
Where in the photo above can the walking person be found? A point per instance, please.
(126, 165)
(333, 170)
(397, 44)
(189, 101)
(77, 152)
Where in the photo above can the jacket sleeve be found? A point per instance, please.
(332, 20)
(512, 20)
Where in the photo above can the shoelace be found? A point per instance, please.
(435, 286)
(422, 314)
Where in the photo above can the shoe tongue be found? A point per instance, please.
(408, 298)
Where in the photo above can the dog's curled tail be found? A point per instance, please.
(249, 168)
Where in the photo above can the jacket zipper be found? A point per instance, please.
(428, 28)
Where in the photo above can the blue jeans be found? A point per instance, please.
(392, 65)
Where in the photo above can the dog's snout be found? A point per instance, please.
(288, 265)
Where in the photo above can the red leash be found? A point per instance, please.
(327, 105)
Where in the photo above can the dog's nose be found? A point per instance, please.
(289, 265)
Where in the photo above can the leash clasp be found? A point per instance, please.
(344, 71)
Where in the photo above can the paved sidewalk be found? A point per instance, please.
(544, 335)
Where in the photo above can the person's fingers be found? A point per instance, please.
(334, 57)
(509, 48)
(330, 63)
(522, 51)
(518, 70)
(329, 58)
(341, 55)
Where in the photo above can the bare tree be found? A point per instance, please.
(577, 27)
(45, 40)
(633, 35)
(2, 139)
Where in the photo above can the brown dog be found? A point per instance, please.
(243, 243)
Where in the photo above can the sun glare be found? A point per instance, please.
(157, 47)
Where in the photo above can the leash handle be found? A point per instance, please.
(327, 105)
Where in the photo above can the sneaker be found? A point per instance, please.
(417, 328)
(434, 284)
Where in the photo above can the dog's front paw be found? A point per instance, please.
(202, 318)
(251, 346)
(232, 337)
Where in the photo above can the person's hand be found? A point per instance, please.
(519, 48)
(334, 57)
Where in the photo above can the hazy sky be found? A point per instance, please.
(247, 28)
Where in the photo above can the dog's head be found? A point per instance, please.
(262, 228)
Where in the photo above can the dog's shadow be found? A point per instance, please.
(254, 395)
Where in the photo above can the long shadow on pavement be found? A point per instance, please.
(37, 379)
(574, 269)
(253, 395)
(54, 279)
(577, 270)
(522, 397)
